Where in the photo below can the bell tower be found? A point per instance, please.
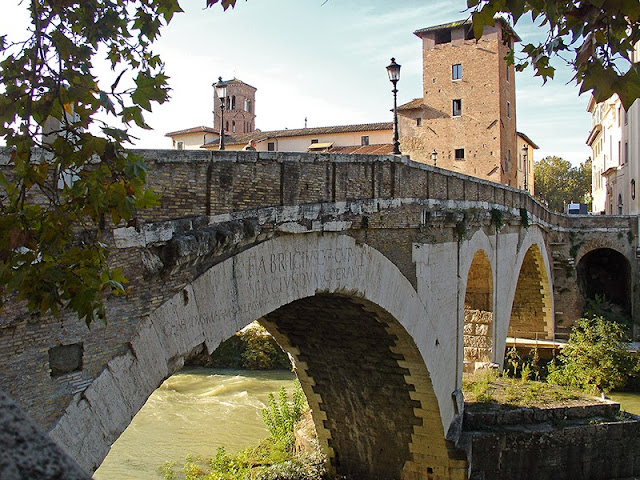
(239, 108)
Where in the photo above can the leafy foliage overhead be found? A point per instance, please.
(69, 173)
(595, 37)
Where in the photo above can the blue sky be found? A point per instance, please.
(326, 61)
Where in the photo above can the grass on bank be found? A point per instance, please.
(488, 386)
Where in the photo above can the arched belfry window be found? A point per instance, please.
(233, 102)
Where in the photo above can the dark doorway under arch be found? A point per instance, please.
(606, 273)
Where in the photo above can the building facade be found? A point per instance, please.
(466, 118)
(615, 145)
(612, 178)
(366, 138)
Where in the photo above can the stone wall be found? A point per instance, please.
(574, 443)
(532, 302)
(478, 338)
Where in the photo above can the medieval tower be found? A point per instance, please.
(466, 119)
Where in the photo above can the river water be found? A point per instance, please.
(201, 409)
(194, 411)
(629, 401)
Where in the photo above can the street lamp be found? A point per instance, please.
(221, 91)
(525, 152)
(434, 157)
(394, 75)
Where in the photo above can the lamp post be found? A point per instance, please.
(221, 91)
(434, 157)
(394, 75)
(525, 152)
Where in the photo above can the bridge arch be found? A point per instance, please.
(529, 301)
(347, 291)
(605, 272)
(478, 293)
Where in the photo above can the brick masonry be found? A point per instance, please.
(486, 127)
(422, 225)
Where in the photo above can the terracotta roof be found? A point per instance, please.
(381, 149)
(415, 103)
(240, 139)
(236, 81)
(191, 130)
(528, 140)
(467, 21)
(298, 132)
(443, 26)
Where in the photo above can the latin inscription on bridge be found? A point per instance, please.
(266, 276)
(292, 269)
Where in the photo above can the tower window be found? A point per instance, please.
(271, 147)
(508, 109)
(456, 71)
(443, 36)
(226, 126)
(233, 102)
(315, 140)
(233, 126)
(180, 145)
(457, 107)
(459, 154)
(364, 140)
(418, 122)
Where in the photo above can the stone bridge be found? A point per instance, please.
(384, 279)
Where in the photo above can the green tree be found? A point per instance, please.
(595, 37)
(595, 358)
(557, 182)
(65, 132)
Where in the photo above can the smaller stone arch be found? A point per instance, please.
(605, 273)
(478, 313)
(532, 310)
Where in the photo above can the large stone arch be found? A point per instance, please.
(477, 272)
(606, 272)
(528, 310)
(272, 281)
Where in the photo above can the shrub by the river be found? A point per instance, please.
(596, 358)
(275, 458)
(251, 348)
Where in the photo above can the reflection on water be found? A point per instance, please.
(629, 401)
(194, 411)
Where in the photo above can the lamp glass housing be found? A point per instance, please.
(221, 88)
(393, 69)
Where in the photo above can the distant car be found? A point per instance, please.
(577, 209)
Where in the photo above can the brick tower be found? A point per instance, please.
(239, 109)
(468, 110)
